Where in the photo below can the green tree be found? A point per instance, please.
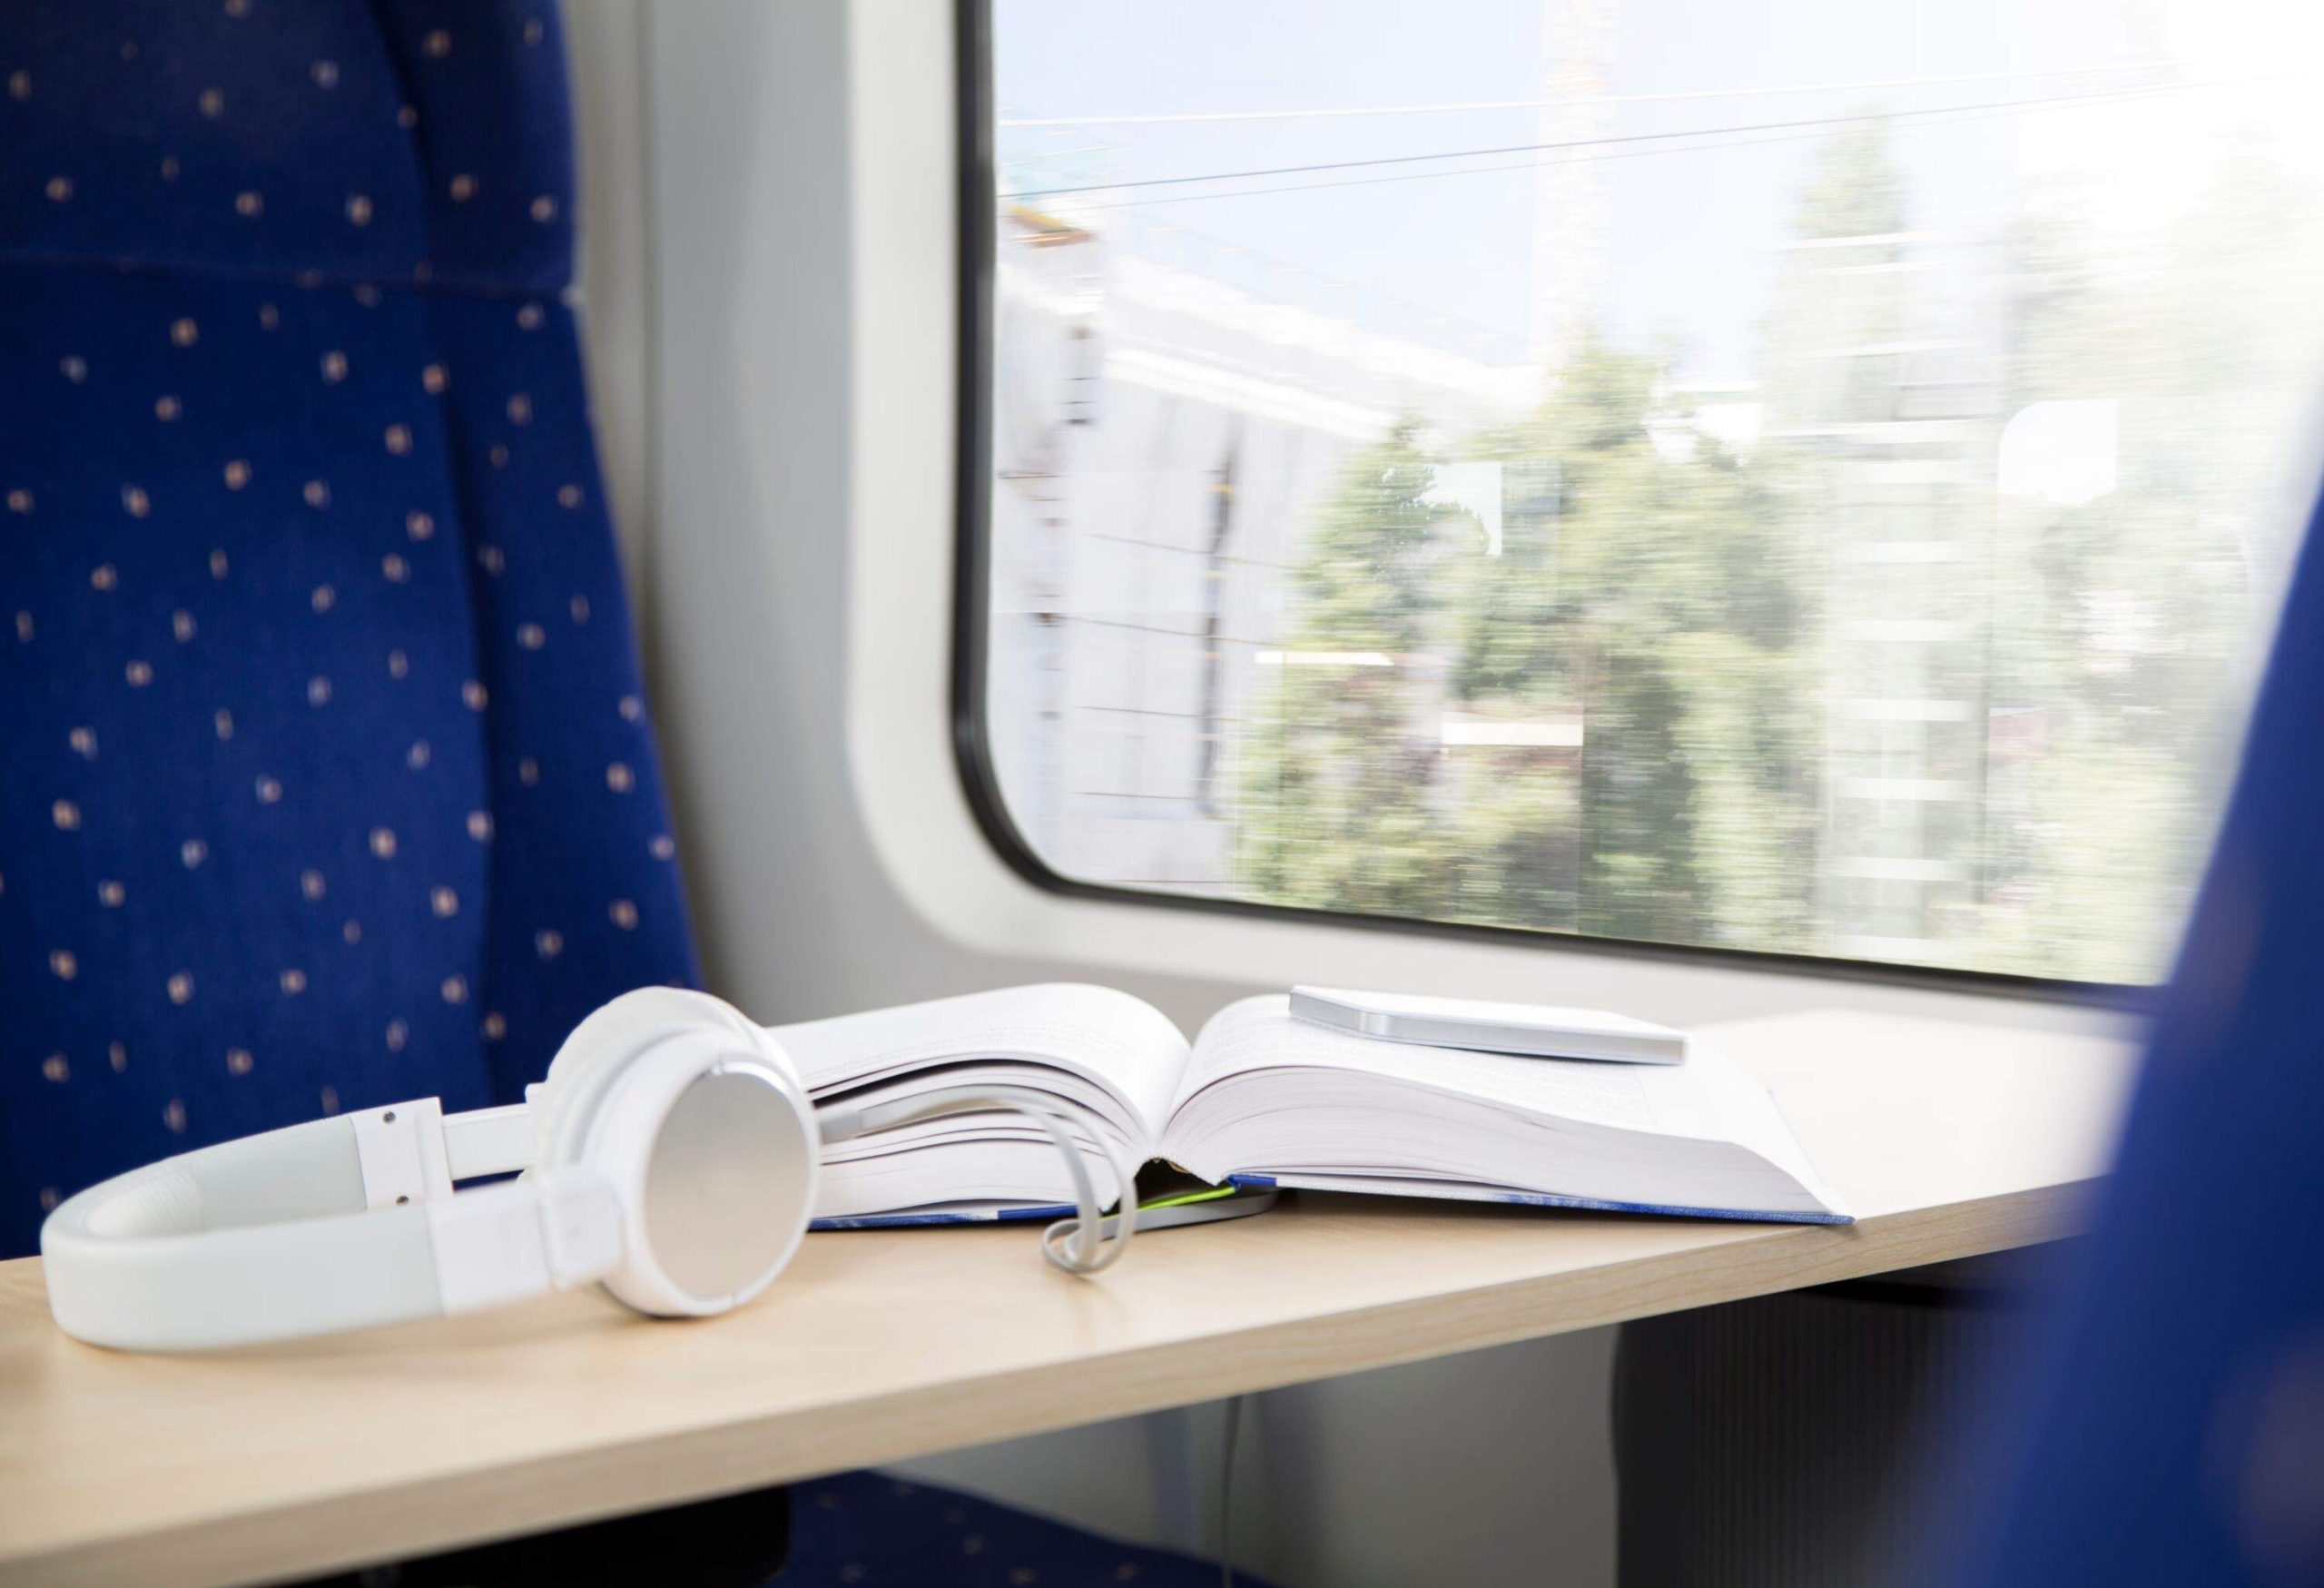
(1838, 684)
(2127, 625)
(1338, 793)
(1644, 589)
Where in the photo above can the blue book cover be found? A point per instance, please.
(1363, 1188)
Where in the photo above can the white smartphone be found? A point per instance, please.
(1531, 1030)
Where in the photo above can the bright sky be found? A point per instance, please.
(1687, 234)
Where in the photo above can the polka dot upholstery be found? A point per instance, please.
(856, 1528)
(869, 1528)
(328, 780)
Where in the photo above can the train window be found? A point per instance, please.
(1810, 480)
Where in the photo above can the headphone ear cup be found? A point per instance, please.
(576, 1080)
(643, 1014)
(698, 1121)
(714, 1155)
(613, 1034)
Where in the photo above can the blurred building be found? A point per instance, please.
(1896, 430)
(1165, 418)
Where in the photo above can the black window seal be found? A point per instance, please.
(971, 741)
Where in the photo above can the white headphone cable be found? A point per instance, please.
(1095, 1241)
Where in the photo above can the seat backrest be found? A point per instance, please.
(329, 778)
(2168, 1425)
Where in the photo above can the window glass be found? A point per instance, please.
(1810, 478)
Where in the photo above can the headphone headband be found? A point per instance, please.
(304, 1231)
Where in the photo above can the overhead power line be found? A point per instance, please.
(1570, 158)
(1625, 138)
(1672, 97)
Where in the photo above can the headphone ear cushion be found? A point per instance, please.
(601, 1045)
(576, 1080)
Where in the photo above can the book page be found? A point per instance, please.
(1115, 1042)
(1730, 1105)
(1260, 1033)
(1269, 1094)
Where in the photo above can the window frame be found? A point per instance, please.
(976, 271)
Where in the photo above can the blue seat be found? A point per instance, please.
(2168, 1421)
(853, 1528)
(869, 1528)
(329, 780)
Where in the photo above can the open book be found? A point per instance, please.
(1260, 1097)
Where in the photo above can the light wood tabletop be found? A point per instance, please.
(250, 1464)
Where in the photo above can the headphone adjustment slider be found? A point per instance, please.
(401, 1149)
(502, 1243)
(581, 1226)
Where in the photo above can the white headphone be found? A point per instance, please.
(671, 1154)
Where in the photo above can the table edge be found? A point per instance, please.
(319, 1534)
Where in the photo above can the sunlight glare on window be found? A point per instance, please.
(1813, 481)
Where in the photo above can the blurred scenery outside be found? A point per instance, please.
(1810, 477)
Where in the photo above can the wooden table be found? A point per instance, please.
(1947, 1140)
